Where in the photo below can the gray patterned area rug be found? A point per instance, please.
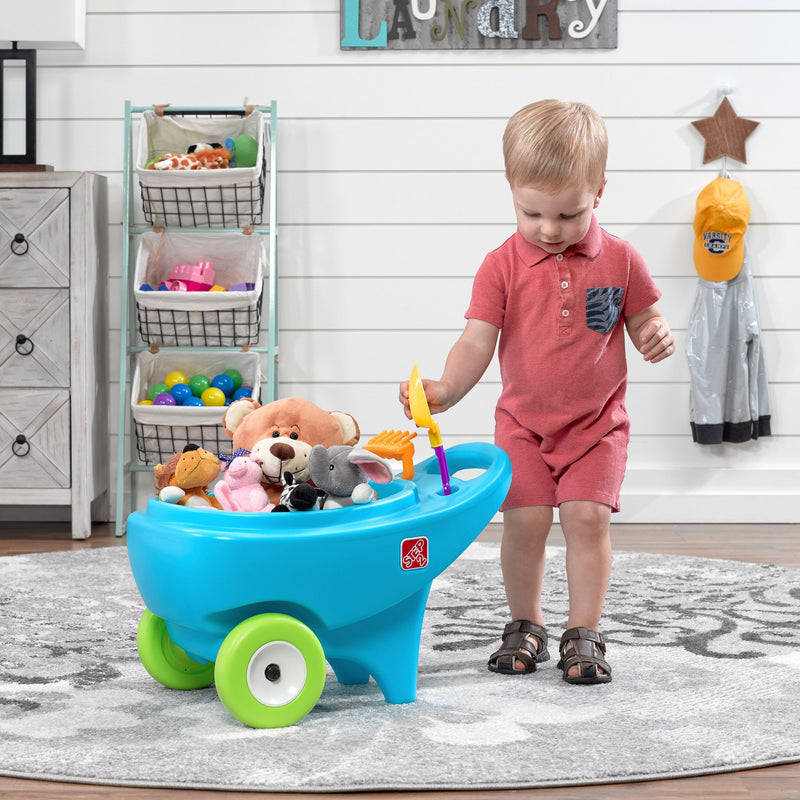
(706, 658)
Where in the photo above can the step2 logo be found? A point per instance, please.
(414, 553)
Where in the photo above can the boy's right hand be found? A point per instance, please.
(436, 394)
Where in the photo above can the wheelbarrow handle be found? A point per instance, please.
(471, 456)
(443, 469)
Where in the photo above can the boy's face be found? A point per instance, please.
(555, 220)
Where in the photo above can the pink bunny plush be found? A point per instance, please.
(241, 489)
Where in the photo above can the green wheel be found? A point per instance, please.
(165, 661)
(270, 671)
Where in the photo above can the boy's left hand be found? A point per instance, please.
(654, 340)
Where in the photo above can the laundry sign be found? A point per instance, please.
(478, 24)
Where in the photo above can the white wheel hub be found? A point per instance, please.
(276, 673)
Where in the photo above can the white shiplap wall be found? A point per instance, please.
(391, 191)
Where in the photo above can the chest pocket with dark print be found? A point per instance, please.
(603, 306)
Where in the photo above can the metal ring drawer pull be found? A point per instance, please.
(24, 345)
(19, 246)
(21, 446)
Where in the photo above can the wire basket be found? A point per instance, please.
(156, 443)
(200, 198)
(200, 318)
(162, 431)
(236, 327)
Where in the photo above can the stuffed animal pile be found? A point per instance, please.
(209, 157)
(289, 455)
(239, 152)
(282, 434)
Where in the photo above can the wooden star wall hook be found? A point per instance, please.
(725, 133)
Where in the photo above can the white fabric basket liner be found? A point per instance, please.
(152, 368)
(237, 258)
(174, 134)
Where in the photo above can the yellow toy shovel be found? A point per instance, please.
(421, 413)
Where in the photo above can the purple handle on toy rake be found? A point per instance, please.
(443, 468)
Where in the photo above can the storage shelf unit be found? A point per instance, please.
(138, 218)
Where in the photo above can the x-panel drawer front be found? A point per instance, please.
(34, 337)
(34, 238)
(34, 439)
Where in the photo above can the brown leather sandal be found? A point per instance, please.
(523, 641)
(586, 649)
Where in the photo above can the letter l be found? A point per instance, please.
(352, 37)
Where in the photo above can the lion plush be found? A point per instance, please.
(282, 433)
(185, 476)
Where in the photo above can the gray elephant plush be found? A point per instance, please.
(342, 473)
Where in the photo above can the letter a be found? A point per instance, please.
(401, 10)
(505, 9)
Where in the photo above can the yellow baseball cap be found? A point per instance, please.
(719, 226)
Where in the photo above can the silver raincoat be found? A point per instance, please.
(729, 399)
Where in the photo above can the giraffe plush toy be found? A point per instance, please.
(212, 158)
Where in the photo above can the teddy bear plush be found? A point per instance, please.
(185, 476)
(281, 435)
(240, 489)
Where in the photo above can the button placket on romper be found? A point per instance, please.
(566, 295)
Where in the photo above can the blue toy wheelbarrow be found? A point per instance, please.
(256, 603)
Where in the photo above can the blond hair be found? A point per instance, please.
(555, 144)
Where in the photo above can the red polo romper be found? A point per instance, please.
(561, 415)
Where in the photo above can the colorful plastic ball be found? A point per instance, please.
(181, 392)
(198, 384)
(213, 397)
(235, 376)
(175, 377)
(193, 401)
(156, 389)
(224, 383)
(164, 399)
(244, 151)
(244, 391)
(145, 403)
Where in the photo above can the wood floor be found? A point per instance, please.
(772, 544)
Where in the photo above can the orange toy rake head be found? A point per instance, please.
(397, 445)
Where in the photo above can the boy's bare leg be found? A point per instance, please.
(522, 556)
(587, 530)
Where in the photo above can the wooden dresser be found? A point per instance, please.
(53, 346)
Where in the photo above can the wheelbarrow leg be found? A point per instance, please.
(385, 646)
